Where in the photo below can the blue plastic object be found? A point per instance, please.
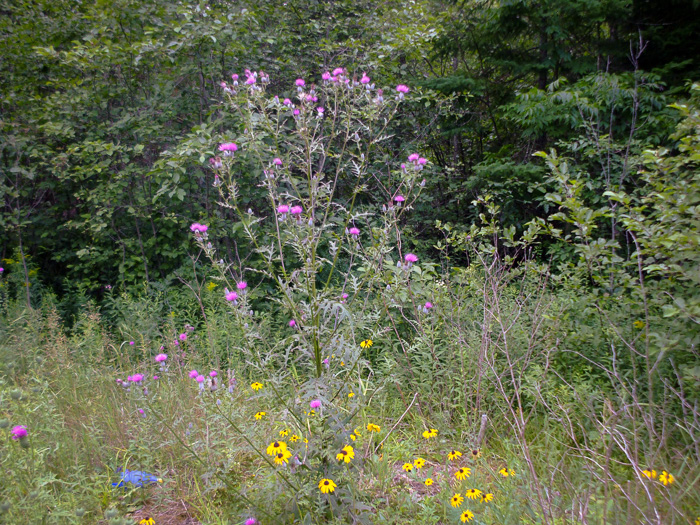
(137, 478)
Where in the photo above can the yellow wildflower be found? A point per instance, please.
(456, 500)
(666, 478)
(466, 516)
(327, 485)
(463, 473)
(367, 343)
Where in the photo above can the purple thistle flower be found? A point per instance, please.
(277, 161)
(413, 157)
(213, 373)
(131, 343)
(403, 89)
(251, 521)
(326, 76)
(283, 209)
(296, 112)
(228, 148)
(136, 378)
(300, 82)
(216, 163)
(200, 379)
(399, 198)
(242, 285)
(316, 403)
(296, 210)
(194, 374)
(411, 258)
(364, 79)
(292, 323)
(338, 71)
(183, 337)
(355, 232)
(19, 432)
(231, 296)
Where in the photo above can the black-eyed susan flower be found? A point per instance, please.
(430, 433)
(697, 520)
(284, 433)
(346, 454)
(256, 386)
(327, 485)
(505, 472)
(276, 447)
(419, 463)
(463, 473)
(456, 500)
(486, 497)
(666, 478)
(408, 467)
(473, 493)
(466, 516)
(367, 343)
(294, 438)
(352, 436)
(475, 453)
(454, 455)
(639, 324)
(260, 415)
(428, 482)
(371, 427)
(147, 521)
(351, 394)
(282, 457)
(651, 474)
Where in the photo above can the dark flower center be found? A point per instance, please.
(326, 482)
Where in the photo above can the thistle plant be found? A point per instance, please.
(325, 242)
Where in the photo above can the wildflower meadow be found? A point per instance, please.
(331, 348)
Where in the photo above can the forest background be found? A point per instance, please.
(556, 227)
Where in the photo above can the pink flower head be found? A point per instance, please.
(422, 162)
(411, 258)
(3, 269)
(200, 379)
(216, 163)
(277, 161)
(338, 71)
(234, 76)
(194, 374)
(326, 76)
(155, 378)
(161, 357)
(364, 79)
(250, 80)
(296, 112)
(231, 296)
(413, 157)
(292, 323)
(300, 82)
(296, 210)
(345, 296)
(316, 403)
(354, 231)
(283, 208)
(141, 411)
(251, 521)
(19, 432)
(287, 102)
(228, 148)
(213, 373)
(183, 337)
(320, 111)
(428, 305)
(401, 88)
(131, 343)
(399, 198)
(136, 378)
(311, 98)
(242, 285)
(199, 228)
